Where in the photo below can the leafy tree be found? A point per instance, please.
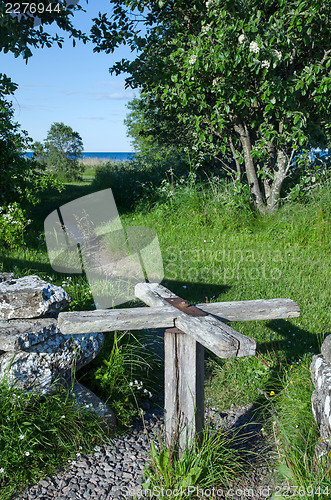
(20, 178)
(19, 33)
(150, 126)
(251, 78)
(61, 151)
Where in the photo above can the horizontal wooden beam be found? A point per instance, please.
(138, 318)
(109, 320)
(252, 310)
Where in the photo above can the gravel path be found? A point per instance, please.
(115, 470)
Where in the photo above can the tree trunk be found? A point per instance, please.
(250, 167)
(279, 177)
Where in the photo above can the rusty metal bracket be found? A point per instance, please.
(184, 306)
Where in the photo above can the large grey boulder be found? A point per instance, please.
(41, 367)
(326, 349)
(20, 335)
(30, 297)
(34, 355)
(321, 400)
(91, 402)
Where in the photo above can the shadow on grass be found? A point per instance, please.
(296, 343)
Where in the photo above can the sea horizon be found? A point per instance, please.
(102, 155)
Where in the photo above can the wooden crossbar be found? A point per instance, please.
(109, 320)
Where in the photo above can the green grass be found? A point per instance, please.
(40, 435)
(215, 249)
(210, 465)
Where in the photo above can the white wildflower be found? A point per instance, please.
(63, 416)
(150, 394)
(205, 29)
(265, 64)
(27, 453)
(22, 436)
(241, 39)
(130, 384)
(192, 59)
(2, 470)
(211, 3)
(253, 47)
(278, 54)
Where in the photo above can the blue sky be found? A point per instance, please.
(72, 85)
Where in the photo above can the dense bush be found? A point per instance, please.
(137, 180)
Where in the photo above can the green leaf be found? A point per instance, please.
(285, 471)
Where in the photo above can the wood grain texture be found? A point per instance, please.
(153, 317)
(109, 320)
(209, 331)
(184, 388)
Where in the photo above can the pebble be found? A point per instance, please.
(116, 468)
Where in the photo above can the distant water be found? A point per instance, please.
(102, 156)
(110, 156)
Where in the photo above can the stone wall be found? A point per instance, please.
(34, 354)
(321, 397)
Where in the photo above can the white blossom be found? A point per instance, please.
(265, 64)
(2, 470)
(22, 436)
(241, 39)
(253, 47)
(205, 29)
(27, 453)
(192, 59)
(278, 54)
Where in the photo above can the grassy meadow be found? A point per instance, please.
(214, 248)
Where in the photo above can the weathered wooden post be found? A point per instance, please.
(188, 330)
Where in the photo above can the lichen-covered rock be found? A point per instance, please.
(321, 397)
(6, 277)
(30, 297)
(20, 335)
(326, 349)
(42, 366)
(91, 402)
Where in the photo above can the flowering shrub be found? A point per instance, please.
(12, 224)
